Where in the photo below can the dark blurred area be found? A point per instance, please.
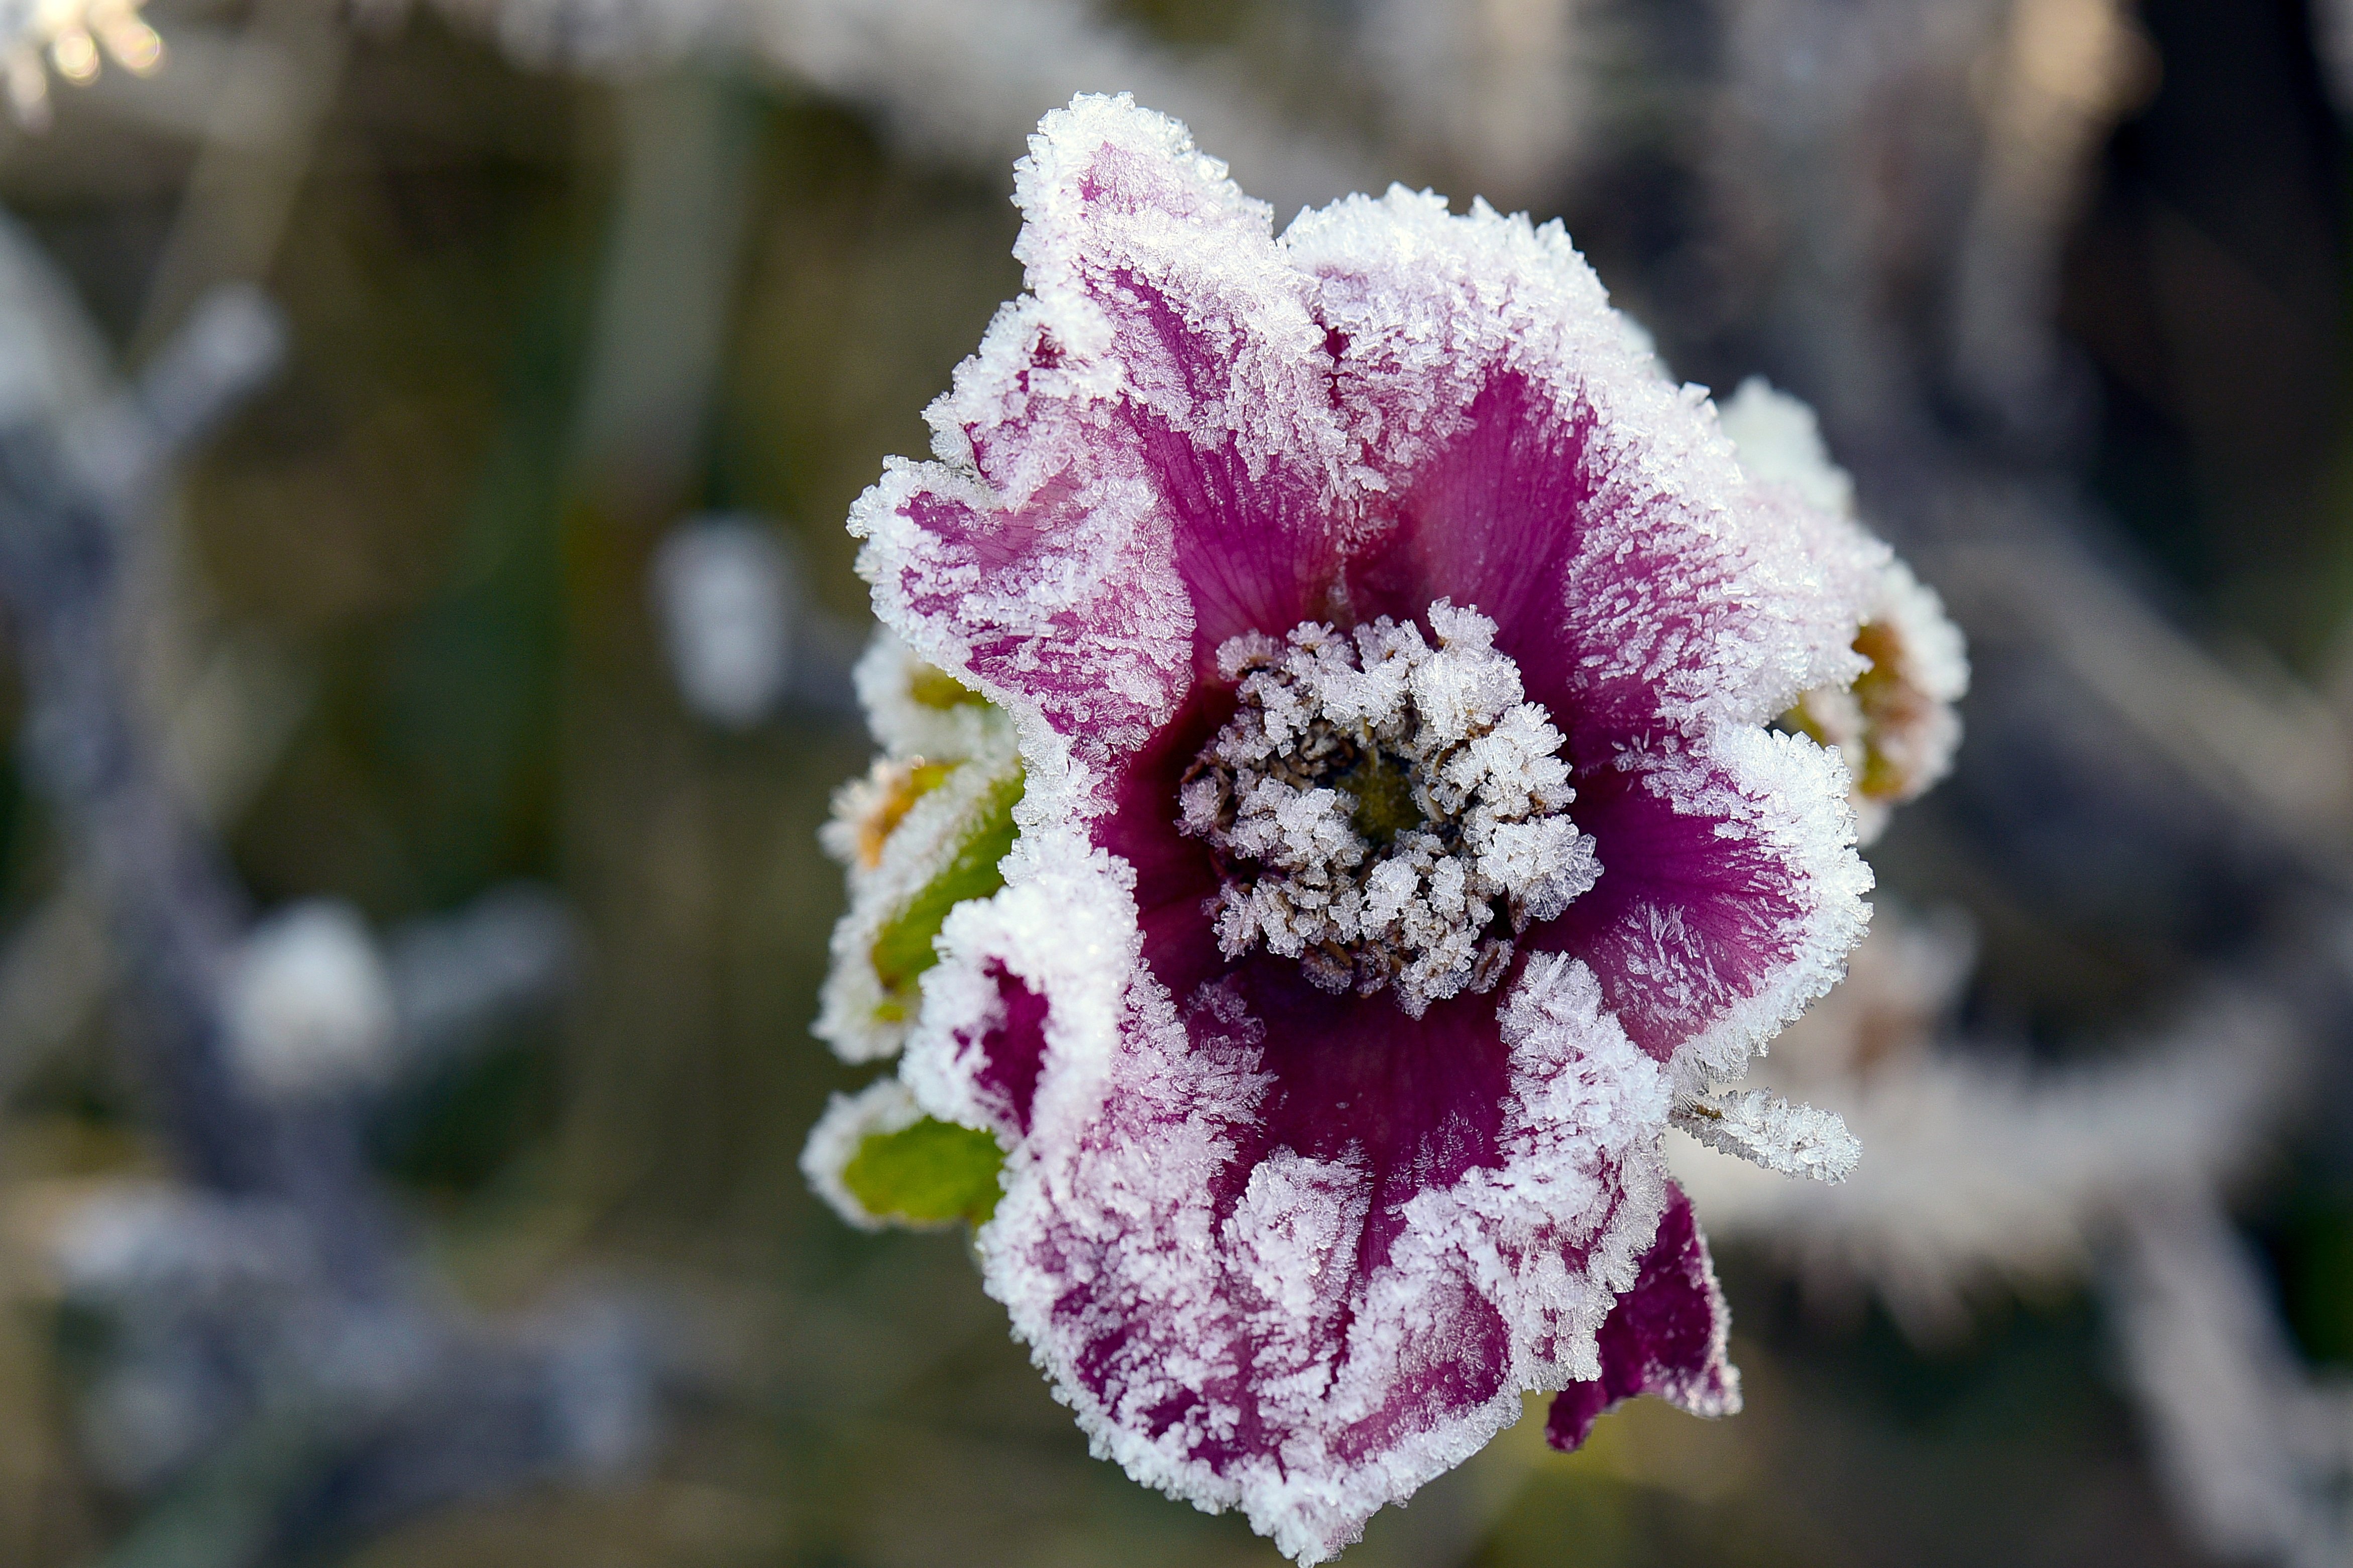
(597, 316)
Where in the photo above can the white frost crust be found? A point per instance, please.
(1779, 441)
(1932, 661)
(918, 850)
(1065, 926)
(882, 1106)
(1434, 304)
(1772, 1134)
(1415, 916)
(1711, 1389)
(1790, 795)
(1780, 444)
(1109, 1233)
(885, 677)
(1937, 658)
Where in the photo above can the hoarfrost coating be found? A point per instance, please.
(1894, 724)
(1292, 1224)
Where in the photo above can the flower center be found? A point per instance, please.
(1390, 814)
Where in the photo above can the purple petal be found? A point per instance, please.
(1505, 406)
(1005, 1076)
(1729, 896)
(1142, 451)
(1665, 1337)
(1285, 1257)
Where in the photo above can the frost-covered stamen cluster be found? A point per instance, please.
(1390, 814)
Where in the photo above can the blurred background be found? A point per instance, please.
(425, 434)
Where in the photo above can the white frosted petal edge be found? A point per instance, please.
(1781, 443)
(885, 677)
(1792, 796)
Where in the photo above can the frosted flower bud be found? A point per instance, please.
(923, 831)
(1893, 722)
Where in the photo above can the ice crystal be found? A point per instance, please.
(1893, 723)
(1388, 814)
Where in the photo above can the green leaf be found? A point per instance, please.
(938, 689)
(902, 948)
(926, 1173)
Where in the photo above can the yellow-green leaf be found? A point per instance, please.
(937, 688)
(927, 1174)
(902, 948)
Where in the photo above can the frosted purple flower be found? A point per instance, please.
(1392, 655)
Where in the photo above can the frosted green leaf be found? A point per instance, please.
(926, 1173)
(937, 688)
(902, 948)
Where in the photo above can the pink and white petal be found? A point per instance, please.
(1666, 1337)
(1063, 609)
(1306, 1329)
(1028, 999)
(1729, 898)
(1687, 597)
(1149, 427)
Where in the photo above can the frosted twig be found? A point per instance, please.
(259, 138)
(2063, 72)
(2258, 1451)
(1772, 1134)
(341, 1372)
(1975, 1169)
(2272, 755)
(1502, 89)
(956, 77)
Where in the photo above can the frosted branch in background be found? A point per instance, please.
(2268, 755)
(321, 1390)
(1976, 1169)
(1498, 88)
(1841, 135)
(456, 979)
(230, 702)
(963, 79)
(2066, 72)
(2255, 1454)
